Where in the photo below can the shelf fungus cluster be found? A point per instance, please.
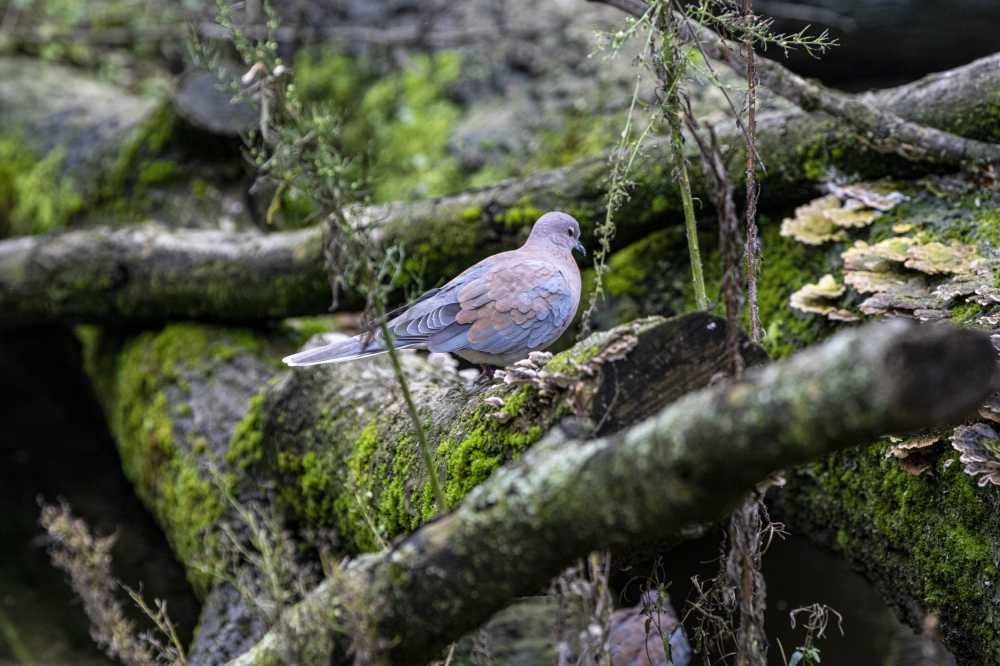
(830, 217)
(821, 298)
(906, 274)
(902, 276)
(979, 446)
(915, 454)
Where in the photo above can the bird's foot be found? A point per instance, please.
(486, 375)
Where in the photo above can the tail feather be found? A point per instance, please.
(337, 352)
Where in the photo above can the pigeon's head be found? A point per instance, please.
(558, 228)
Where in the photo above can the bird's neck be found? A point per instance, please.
(546, 247)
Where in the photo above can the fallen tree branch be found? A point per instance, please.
(881, 129)
(336, 443)
(147, 273)
(218, 285)
(692, 461)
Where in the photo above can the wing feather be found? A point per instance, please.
(495, 307)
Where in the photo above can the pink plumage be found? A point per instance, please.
(495, 312)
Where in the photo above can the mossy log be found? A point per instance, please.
(571, 495)
(101, 274)
(188, 397)
(333, 434)
(198, 411)
(443, 236)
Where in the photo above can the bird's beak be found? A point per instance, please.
(579, 246)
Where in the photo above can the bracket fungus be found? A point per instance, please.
(846, 207)
(818, 298)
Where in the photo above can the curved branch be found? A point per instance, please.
(218, 272)
(881, 129)
(689, 462)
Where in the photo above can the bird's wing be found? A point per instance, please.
(496, 307)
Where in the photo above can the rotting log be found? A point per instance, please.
(568, 496)
(337, 433)
(331, 448)
(139, 273)
(443, 236)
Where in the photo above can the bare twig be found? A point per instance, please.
(752, 190)
(721, 190)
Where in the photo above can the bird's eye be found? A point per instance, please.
(569, 231)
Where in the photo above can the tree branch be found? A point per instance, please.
(148, 273)
(135, 276)
(692, 461)
(881, 129)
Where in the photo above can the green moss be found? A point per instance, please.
(660, 204)
(140, 164)
(245, 447)
(579, 135)
(354, 504)
(934, 531)
(472, 214)
(439, 247)
(485, 446)
(143, 381)
(394, 127)
(411, 119)
(966, 312)
(199, 189)
(980, 120)
(397, 512)
(155, 172)
(519, 216)
(631, 269)
(818, 157)
(328, 77)
(787, 266)
(301, 329)
(34, 197)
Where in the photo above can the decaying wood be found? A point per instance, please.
(568, 496)
(793, 145)
(197, 383)
(144, 273)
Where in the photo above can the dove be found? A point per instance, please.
(494, 313)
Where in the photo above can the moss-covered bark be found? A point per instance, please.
(172, 398)
(569, 496)
(341, 447)
(926, 541)
(200, 411)
(443, 236)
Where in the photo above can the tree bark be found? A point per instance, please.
(443, 236)
(335, 444)
(569, 496)
(143, 274)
